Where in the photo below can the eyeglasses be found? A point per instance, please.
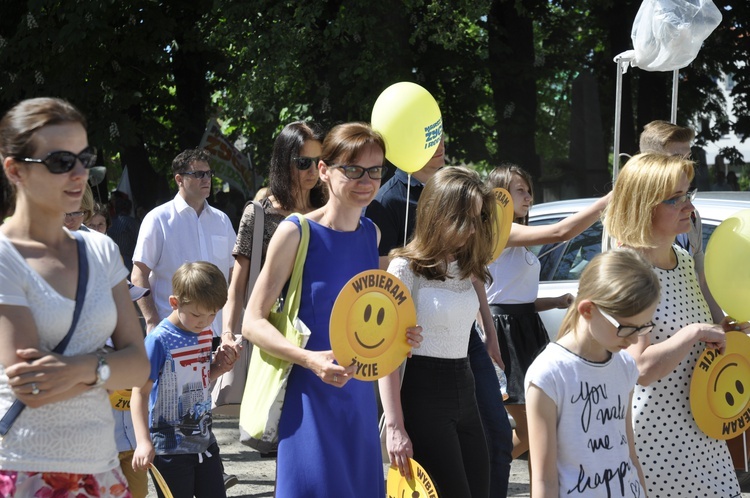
(627, 330)
(75, 214)
(199, 175)
(681, 199)
(356, 172)
(303, 163)
(62, 161)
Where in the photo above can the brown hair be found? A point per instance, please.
(17, 130)
(19, 124)
(445, 219)
(502, 176)
(201, 283)
(620, 282)
(656, 135)
(643, 183)
(346, 141)
(286, 147)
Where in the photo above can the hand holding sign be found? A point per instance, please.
(720, 388)
(368, 324)
(419, 485)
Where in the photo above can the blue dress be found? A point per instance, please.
(329, 444)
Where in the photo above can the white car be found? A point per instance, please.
(563, 262)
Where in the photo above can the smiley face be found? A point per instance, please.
(729, 387)
(374, 322)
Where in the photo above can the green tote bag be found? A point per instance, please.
(267, 377)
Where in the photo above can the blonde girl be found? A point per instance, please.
(579, 389)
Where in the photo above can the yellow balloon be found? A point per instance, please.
(728, 265)
(409, 119)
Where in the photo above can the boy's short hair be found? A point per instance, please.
(658, 134)
(200, 283)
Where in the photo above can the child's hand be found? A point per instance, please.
(414, 337)
(224, 359)
(143, 456)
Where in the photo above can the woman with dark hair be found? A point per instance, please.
(328, 431)
(63, 441)
(293, 188)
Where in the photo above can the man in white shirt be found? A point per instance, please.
(185, 229)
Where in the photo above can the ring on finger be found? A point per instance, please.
(34, 389)
(335, 378)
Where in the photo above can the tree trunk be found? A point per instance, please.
(513, 80)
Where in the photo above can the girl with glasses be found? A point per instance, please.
(512, 294)
(650, 206)
(579, 389)
(63, 441)
(328, 431)
(293, 188)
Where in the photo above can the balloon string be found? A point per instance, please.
(408, 192)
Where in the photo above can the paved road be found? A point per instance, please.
(256, 475)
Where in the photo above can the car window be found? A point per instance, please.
(566, 260)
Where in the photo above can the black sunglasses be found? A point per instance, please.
(303, 163)
(199, 175)
(355, 172)
(62, 161)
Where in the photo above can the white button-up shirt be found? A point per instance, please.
(173, 234)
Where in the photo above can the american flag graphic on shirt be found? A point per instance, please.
(180, 417)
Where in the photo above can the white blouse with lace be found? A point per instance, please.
(446, 310)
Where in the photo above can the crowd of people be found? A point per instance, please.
(73, 353)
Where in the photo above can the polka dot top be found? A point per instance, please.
(677, 458)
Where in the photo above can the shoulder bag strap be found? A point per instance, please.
(83, 276)
(256, 254)
(295, 282)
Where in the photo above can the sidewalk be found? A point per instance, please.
(256, 475)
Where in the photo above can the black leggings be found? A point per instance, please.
(442, 419)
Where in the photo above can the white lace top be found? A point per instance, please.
(445, 310)
(75, 435)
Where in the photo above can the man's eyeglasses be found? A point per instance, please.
(681, 199)
(627, 330)
(303, 163)
(62, 161)
(199, 175)
(74, 214)
(355, 172)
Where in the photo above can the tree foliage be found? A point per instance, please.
(149, 73)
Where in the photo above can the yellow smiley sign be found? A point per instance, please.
(720, 389)
(420, 486)
(368, 324)
(504, 206)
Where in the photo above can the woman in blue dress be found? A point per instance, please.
(328, 432)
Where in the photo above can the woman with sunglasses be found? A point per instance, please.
(328, 431)
(293, 188)
(63, 441)
(579, 389)
(651, 205)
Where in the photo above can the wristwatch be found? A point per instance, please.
(102, 370)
